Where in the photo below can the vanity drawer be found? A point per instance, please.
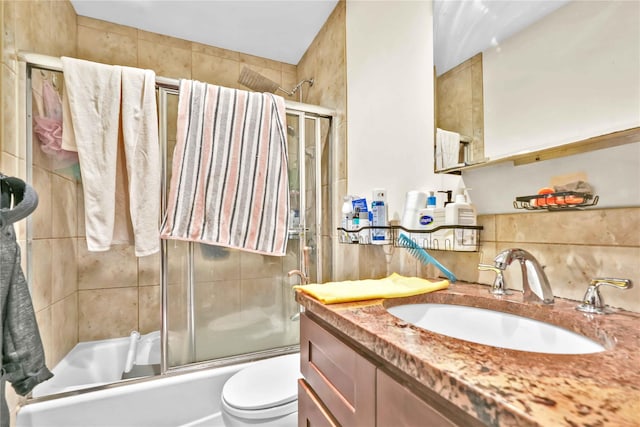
(343, 380)
(399, 406)
(311, 412)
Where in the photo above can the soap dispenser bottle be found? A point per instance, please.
(461, 212)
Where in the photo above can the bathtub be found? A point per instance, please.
(176, 400)
(185, 399)
(95, 363)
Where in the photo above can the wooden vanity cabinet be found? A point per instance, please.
(343, 381)
(342, 387)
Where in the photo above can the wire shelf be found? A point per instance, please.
(559, 201)
(455, 238)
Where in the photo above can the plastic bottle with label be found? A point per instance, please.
(347, 219)
(461, 212)
(429, 218)
(379, 236)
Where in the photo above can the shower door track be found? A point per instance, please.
(164, 85)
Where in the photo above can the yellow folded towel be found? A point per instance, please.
(393, 286)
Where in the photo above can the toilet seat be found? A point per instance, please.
(265, 389)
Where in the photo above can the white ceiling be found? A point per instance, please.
(275, 29)
(282, 30)
(465, 28)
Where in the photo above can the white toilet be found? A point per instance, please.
(265, 394)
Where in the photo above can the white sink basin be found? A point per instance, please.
(495, 328)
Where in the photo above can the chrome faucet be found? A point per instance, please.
(592, 302)
(535, 283)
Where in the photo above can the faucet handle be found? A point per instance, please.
(592, 302)
(498, 287)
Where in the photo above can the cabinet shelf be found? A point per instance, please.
(454, 238)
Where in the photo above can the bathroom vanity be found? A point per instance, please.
(363, 366)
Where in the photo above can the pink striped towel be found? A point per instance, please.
(229, 183)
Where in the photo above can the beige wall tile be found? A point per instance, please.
(160, 39)
(107, 313)
(107, 27)
(373, 261)
(41, 217)
(9, 132)
(64, 222)
(166, 61)
(149, 312)
(115, 268)
(214, 300)
(8, 33)
(41, 281)
(149, 270)
(213, 263)
(64, 269)
(64, 327)
(177, 252)
(22, 20)
(41, 30)
(215, 51)
(107, 47)
(43, 319)
(259, 62)
(591, 226)
(80, 210)
(254, 266)
(488, 233)
(216, 70)
(265, 294)
(64, 29)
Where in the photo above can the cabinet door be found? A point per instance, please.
(311, 412)
(397, 406)
(342, 379)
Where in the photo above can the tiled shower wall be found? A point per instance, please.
(80, 295)
(324, 61)
(48, 27)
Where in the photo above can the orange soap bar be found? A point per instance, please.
(548, 200)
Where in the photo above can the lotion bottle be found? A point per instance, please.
(461, 212)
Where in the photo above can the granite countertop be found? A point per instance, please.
(503, 387)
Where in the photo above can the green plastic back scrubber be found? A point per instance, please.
(423, 255)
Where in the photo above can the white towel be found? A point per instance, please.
(140, 136)
(447, 149)
(229, 184)
(121, 181)
(93, 96)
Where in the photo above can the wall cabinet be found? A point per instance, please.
(342, 386)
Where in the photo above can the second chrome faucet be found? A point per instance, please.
(535, 284)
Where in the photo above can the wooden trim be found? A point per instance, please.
(608, 140)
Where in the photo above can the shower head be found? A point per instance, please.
(257, 82)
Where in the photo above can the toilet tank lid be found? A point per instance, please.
(265, 384)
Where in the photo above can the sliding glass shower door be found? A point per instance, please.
(224, 304)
